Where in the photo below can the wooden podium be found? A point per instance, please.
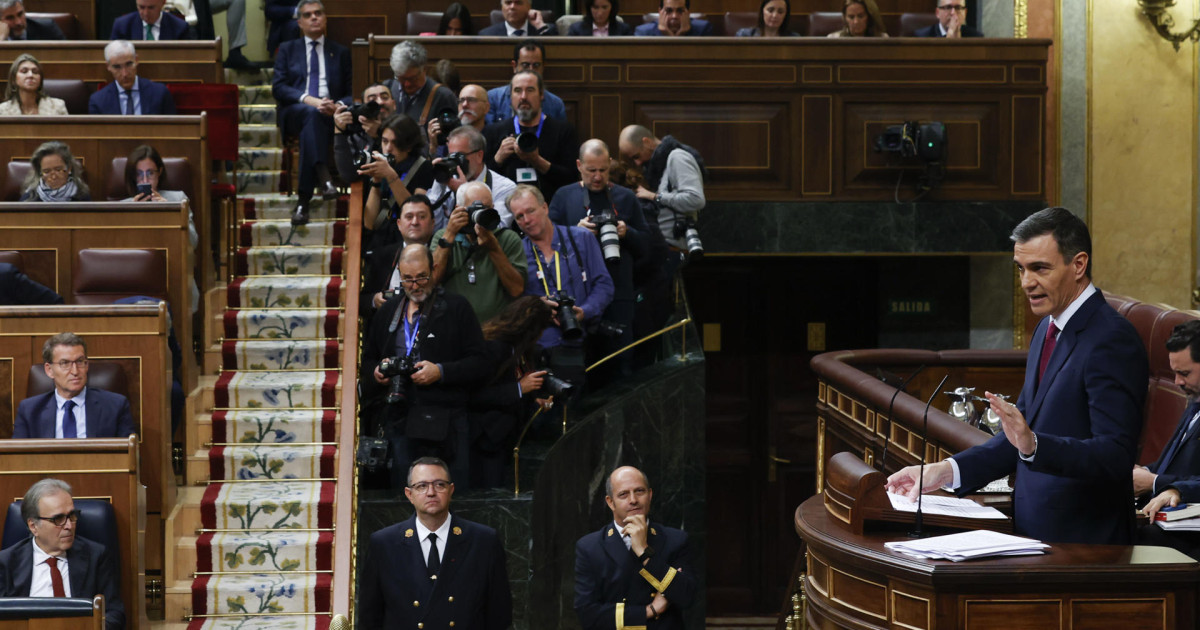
(853, 581)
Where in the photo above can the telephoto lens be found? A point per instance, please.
(692, 240)
(571, 330)
(479, 214)
(527, 142)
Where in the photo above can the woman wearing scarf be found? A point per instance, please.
(55, 177)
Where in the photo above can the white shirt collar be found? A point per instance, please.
(155, 24)
(78, 400)
(510, 29)
(308, 41)
(624, 537)
(1061, 321)
(39, 556)
(442, 532)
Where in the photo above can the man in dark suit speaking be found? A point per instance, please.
(1070, 440)
(72, 410)
(434, 570)
(632, 572)
(54, 561)
(128, 94)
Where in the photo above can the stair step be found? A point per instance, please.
(259, 136)
(249, 78)
(255, 95)
(278, 207)
(259, 182)
(260, 158)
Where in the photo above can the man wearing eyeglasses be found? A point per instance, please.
(529, 55)
(72, 409)
(952, 21)
(472, 145)
(434, 570)
(54, 561)
(434, 332)
(472, 112)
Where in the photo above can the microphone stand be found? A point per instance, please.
(887, 437)
(917, 530)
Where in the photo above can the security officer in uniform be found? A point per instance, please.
(434, 570)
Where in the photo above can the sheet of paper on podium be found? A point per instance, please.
(968, 546)
(1182, 525)
(946, 506)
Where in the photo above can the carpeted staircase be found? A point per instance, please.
(254, 546)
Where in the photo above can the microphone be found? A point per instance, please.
(887, 437)
(917, 531)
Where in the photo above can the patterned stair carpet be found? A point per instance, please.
(265, 555)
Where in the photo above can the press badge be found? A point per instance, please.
(526, 174)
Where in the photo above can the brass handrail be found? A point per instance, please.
(657, 333)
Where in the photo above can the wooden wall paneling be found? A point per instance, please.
(84, 11)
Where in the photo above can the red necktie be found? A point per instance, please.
(55, 577)
(1047, 349)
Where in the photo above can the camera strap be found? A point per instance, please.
(428, 103)
(410, 332)
(537, 257)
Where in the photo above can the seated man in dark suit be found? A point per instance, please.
(311, 75)
(150, 23)
(952, 21)
(632, 570)
(519, 21)
(17, 288)
(72, 410)
(14, 26)
(54, 562)
(674, 20)
(128, 93)
(434, 553)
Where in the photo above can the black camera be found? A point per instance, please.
(606, 328)
(369, 110)
(448, 119)
(571, 330)
(527, 142)
(399, 369)
(390, 293)
(610, 243)
(556, 387)
(447, 168)
(372, 453)
(685, 228)
(914, 139)
(480, 214)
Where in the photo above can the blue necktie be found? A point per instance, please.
(129, 103)
(1173, 448)
(518, 32)
(314, 73)
(69, 419)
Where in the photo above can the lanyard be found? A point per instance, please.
(542, 273)
(537, 134)
(410, 336)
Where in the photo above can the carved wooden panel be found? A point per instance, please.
(1005, 613)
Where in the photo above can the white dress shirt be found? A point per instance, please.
(624, 537)
(155, 28)
(442, 532)
(80, 414)
(41, 586)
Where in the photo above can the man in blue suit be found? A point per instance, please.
(129, 94)
(1070, 440)
(35, 567)
(434, 570)
(674, 20)
(632, 572)
(312, 74)
(72, 410)
(952, 22)
(150, 23)
(16, 288)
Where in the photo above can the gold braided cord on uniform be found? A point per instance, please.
(620, 625)
(661, 587)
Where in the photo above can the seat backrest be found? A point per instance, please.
(14, 179)
(564, 23)
(65, 21)
(423, 22)
(737, 20)
(178, 176)
(912, 22)
(104, 275)
(46, 607)
(97, 523)
(73, 92)
(13, 258)
(102, 374)
(822, 23)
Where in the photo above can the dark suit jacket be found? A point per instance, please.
(38, 29)
(107, 416)
(16, 288)
(933, 31)
(700, 28)
(1182, 472)
(471, 590)
(498, 30)
(129, 26)
(93, 571)
(1087, 415)
(156, 99)
(609, 579)
(615, 28)
(290, 82)
(282, 15)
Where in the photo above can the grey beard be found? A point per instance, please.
(527, 116)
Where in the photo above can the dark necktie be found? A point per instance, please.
(55, 577)
(1173, 447)
(434, 564)
(519, 32)
(129, 103)
(314, 73)
(1047, 350)
(149, 32)
(69, 419)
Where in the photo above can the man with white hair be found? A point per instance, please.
(128, 94)
(14, 26)
(417, 95)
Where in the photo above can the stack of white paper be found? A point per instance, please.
(1182, 525)
(968, 545)
(947, 506)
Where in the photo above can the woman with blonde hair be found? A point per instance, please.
(25, 94)
(861, 18)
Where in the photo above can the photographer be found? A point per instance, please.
(464, 163)
(567, 270)
(614, 216)
(496, 409)
(396, 172)
(416, 94)
(530, 147)
(476, 257)
(675, 176)
(472, 112)
(422, 354)
(356, 128)
(381, 279)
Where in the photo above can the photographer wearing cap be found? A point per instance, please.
(422, 354)
(476, 257)
(464, 162)
(530, 147)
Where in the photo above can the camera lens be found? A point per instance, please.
(610, 243)
(527, 142)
